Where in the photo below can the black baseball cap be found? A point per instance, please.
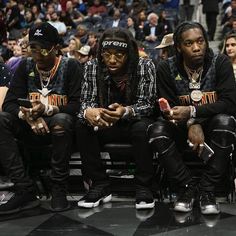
(44, 34)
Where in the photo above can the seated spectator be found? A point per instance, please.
(200, 88)
(116, 21)
(96, 11)
(153, 32)
(166, 47)
(82, 33)
(55, 22)
(74, 45)
(132, 27)
(36, 12)
(229, 49)
(118, 97)
(93, 43)
(21, 50)
(83, 54)
(52, 84)
(7, 52)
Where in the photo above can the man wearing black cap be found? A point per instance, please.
(52, 85)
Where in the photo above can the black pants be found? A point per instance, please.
(11, 160)
(134, 132)
(169, 141)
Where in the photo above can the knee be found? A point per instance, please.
(223, 131)
(159, 136)
(61, 122)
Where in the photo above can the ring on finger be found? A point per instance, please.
(33, 127)
(171, 112)
(40, 125)
(98, 117)
(201, 145)
(30, 111)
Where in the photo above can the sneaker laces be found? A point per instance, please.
(208, 198)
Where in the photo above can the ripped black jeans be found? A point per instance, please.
(13, 128)
(169, 141)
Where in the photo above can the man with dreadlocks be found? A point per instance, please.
(199, 86)
(117, 101)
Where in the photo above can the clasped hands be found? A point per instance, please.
(104, 118)
(33, 117)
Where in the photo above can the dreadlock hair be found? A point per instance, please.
(177, 37)
(131, 63)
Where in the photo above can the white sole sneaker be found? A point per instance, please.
(183, 207)
(143, 205)
(94, 204)
(210, 209)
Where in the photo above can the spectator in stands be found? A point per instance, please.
(122, 6)
(162, 20)
(153, 32)
(117, 21)
(22, 51)
(211, 9)
(118, 97)
(230, 26)
(166, 47)
(74, 45)
(83, 54)
(82, 33)
(200, 88)
(229, 49)
(53, 86)
(93, 43)
(7, 51)
(13, 19)
(96, 11)
(59, 25)
(133, 28)
(36, 12)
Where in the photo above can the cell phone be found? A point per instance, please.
(164, 105)
(207, 153)
(24, 102)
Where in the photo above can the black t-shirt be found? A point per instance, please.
(5, 75)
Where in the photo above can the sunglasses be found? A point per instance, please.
(43, 51)
(119, 56)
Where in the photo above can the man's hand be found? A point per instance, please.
(114, 113)
(178, 113)
(95, 117)
(38, 126)
(35, 112)
(196, 137)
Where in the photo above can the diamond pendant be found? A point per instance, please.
(44, 91)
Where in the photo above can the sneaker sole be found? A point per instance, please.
(30, 205)
(145, 206)
(210, 211)
(180, 208)
(94, 204)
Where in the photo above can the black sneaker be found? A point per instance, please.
(185, 200)
(21, 200)
(59, 201)
(144, 198)
(208, 204)
(99, 193)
